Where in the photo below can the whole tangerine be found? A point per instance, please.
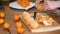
(2, 15)
(38, 7)
(1, 21)
(15, 17)
(6, 25)
(18, 24)
(19, 30)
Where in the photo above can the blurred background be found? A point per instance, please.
(4, 1)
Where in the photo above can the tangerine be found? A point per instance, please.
(2, 15)
(38, 7)
(1, 21)
(15, 17)
(20, 30)
(18, 24)
(6, 25)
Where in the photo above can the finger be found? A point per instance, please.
(45, 6)
(37, 1)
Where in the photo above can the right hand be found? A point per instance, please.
(37, 2)
(50, 5)
(38, 5)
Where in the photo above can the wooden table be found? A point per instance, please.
(9, 12)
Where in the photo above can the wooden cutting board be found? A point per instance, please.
(42, 28)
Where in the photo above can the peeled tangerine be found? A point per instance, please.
(38, 7)
(2, 15)
(18, 24)
(1, 21)
(15, 17)
(6, 25)
(47, 21)
(39, 18)
(19, 30)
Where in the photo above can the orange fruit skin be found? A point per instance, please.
(6, 25)
(15, 17)
(1, 21)
(23, 3)
(18, 24)
(38, 7)
(19, 30)
(2, 15)
(27, 2)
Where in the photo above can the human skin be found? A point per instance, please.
(48, 5)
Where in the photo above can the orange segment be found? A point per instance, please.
(47, 18)
(39, 18)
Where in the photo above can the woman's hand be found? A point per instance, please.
(37, 2)
(50, 5)
(41, 5)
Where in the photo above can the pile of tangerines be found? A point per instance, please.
(5, 25)
(23, 3)
(18, 24)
